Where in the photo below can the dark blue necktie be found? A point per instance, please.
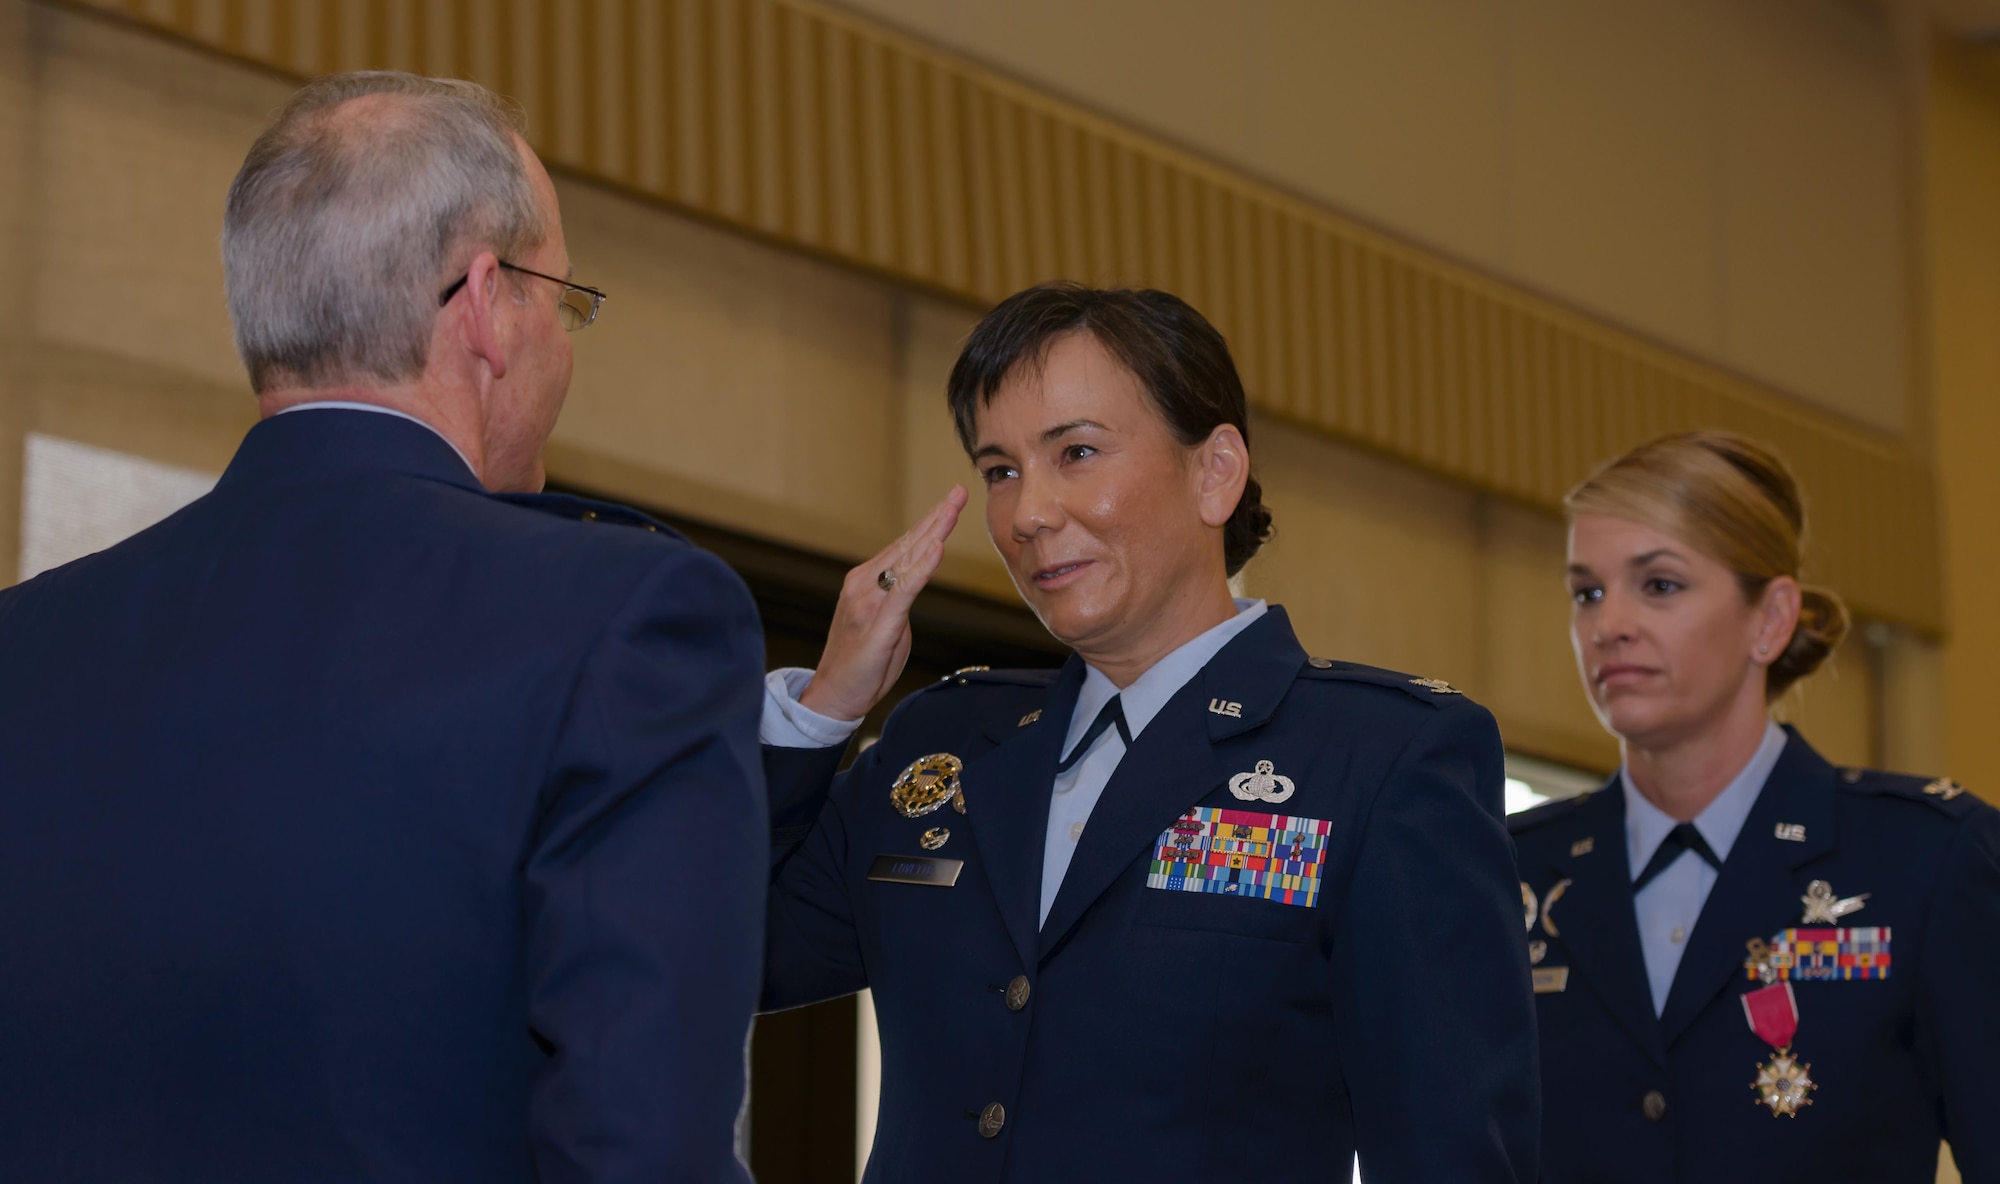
(1113, 713)
(1682, 838)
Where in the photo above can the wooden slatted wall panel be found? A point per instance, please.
(816, 129)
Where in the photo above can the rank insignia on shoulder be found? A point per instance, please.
(1944, 787)
(959, 674)
(1820, 955)
(1242, 853)
(1436, 686)
(926, 785)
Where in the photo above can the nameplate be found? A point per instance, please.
(1550, 980)
(915, 869)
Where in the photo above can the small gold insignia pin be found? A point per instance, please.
(1823, 908)
(1583, 846)
(1537, 950)
(1791, 832)
(934, 838)
(1549, 908)
(1529, 905)
(1225, 707)
(1029, 718)
(1436, 686)
(1944, 787)
(926, 785)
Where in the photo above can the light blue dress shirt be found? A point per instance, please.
(1669, 905)
(789, 724)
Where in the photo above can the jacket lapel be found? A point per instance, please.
(1595, 921)
(1755, 895)
(1007, 805)
(1172, 764)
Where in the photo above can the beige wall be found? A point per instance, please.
(1725, 176)
(727, 380)
(1964, 262)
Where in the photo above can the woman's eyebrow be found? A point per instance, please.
(1650, 556)
(1064, 429)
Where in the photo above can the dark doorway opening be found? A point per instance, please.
(802, 1062)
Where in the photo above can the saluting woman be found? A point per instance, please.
(1750, 964)
(1194, 907)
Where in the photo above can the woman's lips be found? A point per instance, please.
(1623, 675)
(1060, 575)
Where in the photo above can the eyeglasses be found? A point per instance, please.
(577, 309)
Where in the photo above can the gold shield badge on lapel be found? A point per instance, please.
(926, 785)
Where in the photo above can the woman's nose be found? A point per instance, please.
(1036, 507)
(1612, 622)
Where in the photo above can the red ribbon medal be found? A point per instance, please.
(1783, 1084)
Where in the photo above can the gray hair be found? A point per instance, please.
(340, 234)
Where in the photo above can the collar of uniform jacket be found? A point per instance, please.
(1594, 928)
(1239, 689)
(288, 447)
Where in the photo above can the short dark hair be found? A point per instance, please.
(1179, 358)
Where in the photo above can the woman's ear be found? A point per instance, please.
(1222, 468)
(1777, 618)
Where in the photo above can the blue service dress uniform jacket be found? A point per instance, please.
(1150, 1032)
(358, 825)
(1900, 1061)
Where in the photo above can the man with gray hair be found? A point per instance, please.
(378, 817)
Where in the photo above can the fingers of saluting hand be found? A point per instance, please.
(869, 641)
(914, 558)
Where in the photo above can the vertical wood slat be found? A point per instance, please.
(818, 128)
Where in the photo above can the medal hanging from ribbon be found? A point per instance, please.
(1783, 1084)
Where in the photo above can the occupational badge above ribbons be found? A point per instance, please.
(925, 787)
(1261, 785)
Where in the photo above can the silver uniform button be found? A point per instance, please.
(992, 1119)
(1018, 992)
(1654, 1104)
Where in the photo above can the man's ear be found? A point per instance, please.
(1222, 468)
(480, 329)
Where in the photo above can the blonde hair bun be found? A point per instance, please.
(1733, 499)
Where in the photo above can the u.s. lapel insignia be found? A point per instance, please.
(1583, 846)
(1029, 718)
(1824, 908)
(1790, 832)
(1436, 686)
(1262, 785)
(926, 785)
(1944, 787)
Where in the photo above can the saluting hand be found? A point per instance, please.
(870, 638)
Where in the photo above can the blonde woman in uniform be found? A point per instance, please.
(1749, 962)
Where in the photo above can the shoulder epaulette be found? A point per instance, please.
(1434, 691)
(584, 509)
(1942, 793)
(986, 675)
(1547, 812)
